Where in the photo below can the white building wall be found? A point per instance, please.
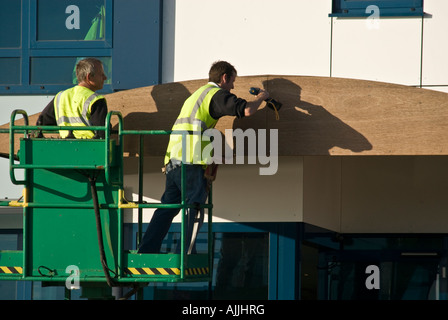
(297, 37)
(256, 36)
(389, 51)
(240, 193)
(290, 37)
(435, 45)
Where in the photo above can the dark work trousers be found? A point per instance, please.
(196, 193)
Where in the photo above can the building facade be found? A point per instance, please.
(323, 227)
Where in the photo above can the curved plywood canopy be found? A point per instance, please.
(320, 116)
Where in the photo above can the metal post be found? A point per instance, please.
(210, 241)
(140, 189)
(11, 144)
(183, 197)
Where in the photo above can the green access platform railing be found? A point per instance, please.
(73, 202)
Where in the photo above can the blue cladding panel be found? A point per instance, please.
(136, 43)
(391, 8)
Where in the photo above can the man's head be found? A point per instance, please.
(90, 73)
(223, 74)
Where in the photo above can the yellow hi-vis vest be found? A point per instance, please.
(72, 108)
(194, 116)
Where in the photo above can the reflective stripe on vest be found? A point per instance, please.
(194, 116)
(72, 108)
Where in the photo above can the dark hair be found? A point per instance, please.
(219, 68)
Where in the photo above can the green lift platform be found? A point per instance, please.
(73, 202)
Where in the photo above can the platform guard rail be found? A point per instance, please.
(186, 267)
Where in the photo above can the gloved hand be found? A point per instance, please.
(271, 103)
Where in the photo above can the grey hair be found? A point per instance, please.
(86, 67)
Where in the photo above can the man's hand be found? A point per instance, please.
(252, 106)
(263, 95)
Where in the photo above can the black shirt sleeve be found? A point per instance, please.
(98, 115)
(225, 103)
(47, 117)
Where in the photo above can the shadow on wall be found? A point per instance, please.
(164, 97)
(303, 128)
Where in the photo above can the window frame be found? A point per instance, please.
(70, 44)
(31, 48)
(388, 8)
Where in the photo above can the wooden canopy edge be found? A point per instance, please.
(319, 116)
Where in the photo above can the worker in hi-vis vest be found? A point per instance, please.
(200, 112)
(79, 105)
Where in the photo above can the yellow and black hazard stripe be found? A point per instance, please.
(153, 271)
(166, 271)
(11, 270)
(196, 271)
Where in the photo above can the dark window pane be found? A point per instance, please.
(8, 290)
(70, 20)
(242, 268)
(60, 70)
(10, 241)
(9, 71)
(10, 20)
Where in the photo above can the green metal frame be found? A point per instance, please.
(131, 267)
